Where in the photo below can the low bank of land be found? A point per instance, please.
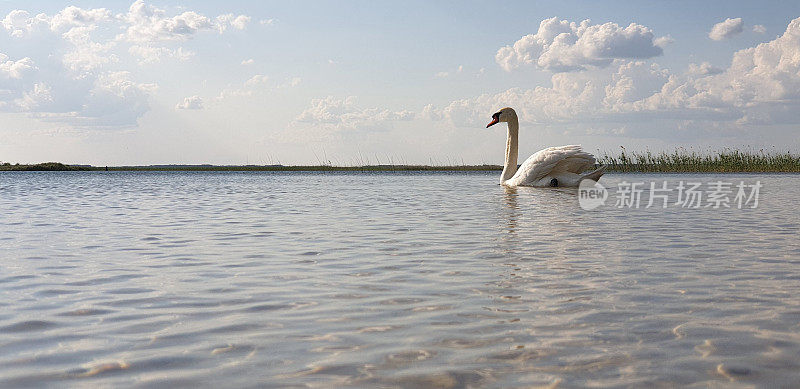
(728, 161)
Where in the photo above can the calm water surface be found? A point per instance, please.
(389, 280)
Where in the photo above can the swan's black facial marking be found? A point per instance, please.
(495, 120)
(554, 183)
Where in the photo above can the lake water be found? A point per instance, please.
(394, 280)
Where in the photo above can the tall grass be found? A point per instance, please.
(682, 160)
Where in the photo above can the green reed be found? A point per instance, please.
(682, 160)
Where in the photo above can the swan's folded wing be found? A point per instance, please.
(576, 161)
(553, 159)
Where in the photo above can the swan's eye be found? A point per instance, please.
(496, 115)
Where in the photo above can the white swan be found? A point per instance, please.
(562, 166)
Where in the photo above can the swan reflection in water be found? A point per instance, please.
(511, 209)
(544, 207)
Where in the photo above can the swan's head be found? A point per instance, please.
(503, 115)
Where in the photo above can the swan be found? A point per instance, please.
(561, 166)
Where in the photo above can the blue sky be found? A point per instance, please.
(237, 82)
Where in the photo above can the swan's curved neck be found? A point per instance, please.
(512, 149)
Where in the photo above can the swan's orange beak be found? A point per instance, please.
(494, 121)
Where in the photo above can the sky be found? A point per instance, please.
(377, 82)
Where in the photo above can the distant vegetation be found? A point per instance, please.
(47, 166)
(282, 168)
(682, 160)
(55, 166)
(679, 161)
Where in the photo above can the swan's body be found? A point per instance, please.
(562, 166)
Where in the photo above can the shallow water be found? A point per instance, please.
(434, 279)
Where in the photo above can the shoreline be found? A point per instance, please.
(613, 167)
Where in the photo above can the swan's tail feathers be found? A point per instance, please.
(596, 174)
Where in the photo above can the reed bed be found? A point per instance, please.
(682, 160)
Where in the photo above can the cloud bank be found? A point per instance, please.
(146, 23)
(760, 87)
(90, 78)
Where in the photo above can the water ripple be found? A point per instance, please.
(388, 280)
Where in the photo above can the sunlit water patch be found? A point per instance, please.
(435, 280)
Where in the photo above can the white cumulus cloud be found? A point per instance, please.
(40, 95)
(560, 46)
(256, 81)
(726, 29)
(663, 41)
(73, 16)
(20, 23)
(192, 102)
(15, 69)
(147, 23)
(112, 100)
(115, 100)
(703, 69)
(759, 29)
(229, 20)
